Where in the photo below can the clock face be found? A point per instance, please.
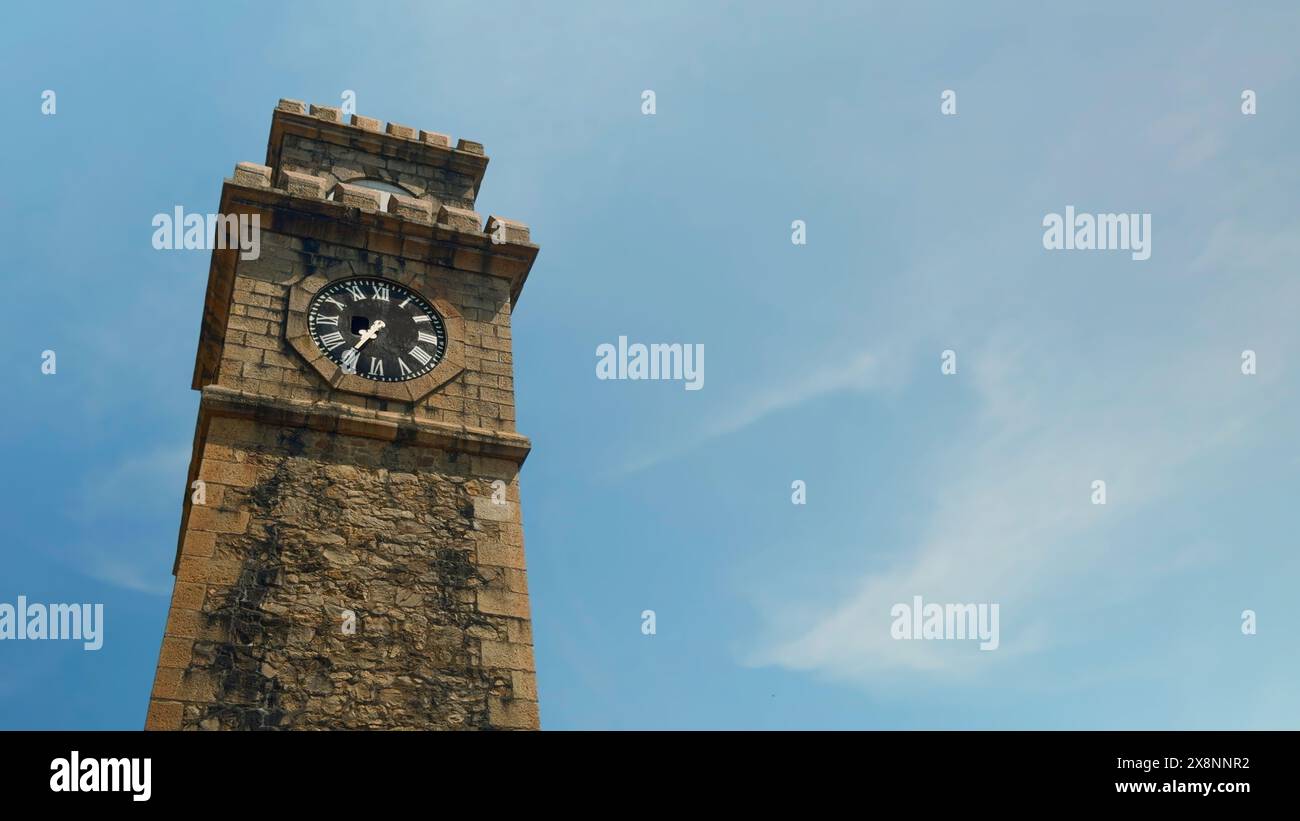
(377, 329)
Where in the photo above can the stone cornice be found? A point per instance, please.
(448, 241)
(218, 401)
(346, 420)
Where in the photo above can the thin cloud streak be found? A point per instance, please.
(857, 373)
(1014, 522)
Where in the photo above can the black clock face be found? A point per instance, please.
(377, 329)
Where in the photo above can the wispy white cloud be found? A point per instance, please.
(842, 373)
(1013, 520)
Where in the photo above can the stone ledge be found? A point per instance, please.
(410, 208)
(406, 132)
(403, 233)
(458, 219)
(435, 138)
(367, 123)
(367, 199)
(252, 175)
(329, 114)
(343, 420)
(298, 184)
(502, 231)
(505, 231)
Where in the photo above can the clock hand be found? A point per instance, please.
(369, 334)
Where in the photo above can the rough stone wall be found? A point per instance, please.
(258, 359)
(339, 163)
(300, 526)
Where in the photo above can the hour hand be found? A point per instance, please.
(369, 334)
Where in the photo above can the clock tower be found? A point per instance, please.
(351, 552)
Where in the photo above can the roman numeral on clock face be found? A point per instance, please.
(332, 340)
(367, 333)
(420, 356)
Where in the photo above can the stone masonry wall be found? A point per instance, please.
(300, 526)
(338, 163)
(258, 359)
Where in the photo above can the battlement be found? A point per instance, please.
(315, 140)
(394, 169)
(425, 211)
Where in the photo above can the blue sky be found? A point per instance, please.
(924, 234)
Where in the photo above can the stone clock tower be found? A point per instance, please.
(350, 552)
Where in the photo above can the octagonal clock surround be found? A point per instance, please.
(345, 292)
